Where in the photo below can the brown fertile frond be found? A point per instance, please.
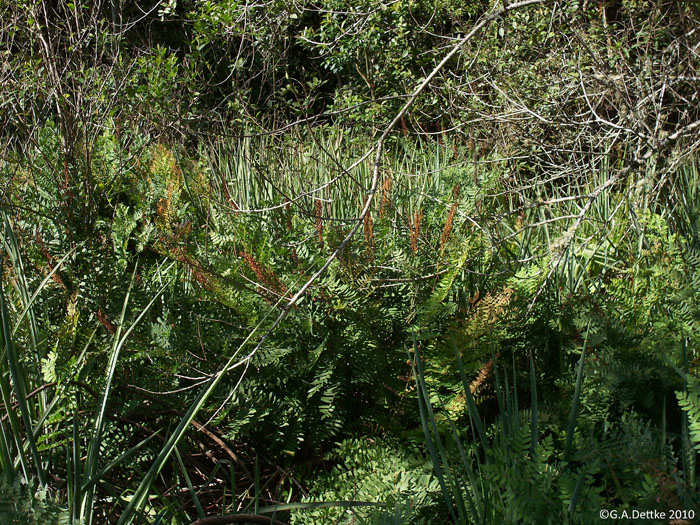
(450, 218)
(386, 198)
(319, 222)
(369, 230)
(415, 230)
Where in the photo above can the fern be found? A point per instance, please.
(689, 401)
(434, 306)
(21, 503)
(373, 471)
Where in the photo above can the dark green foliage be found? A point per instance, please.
(172, 174)
(25, 504)
(366, 470)
(336, 370)
(509, 478)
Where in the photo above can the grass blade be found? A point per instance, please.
(19, 382)
(193, 493)
(577, 395)
(534, 409)
(471, 405)
(91, 463)
(427, 421)
(467, 468)
(116, 462)
(141, 493)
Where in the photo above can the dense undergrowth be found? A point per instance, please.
(190, 331)
(448, 262)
